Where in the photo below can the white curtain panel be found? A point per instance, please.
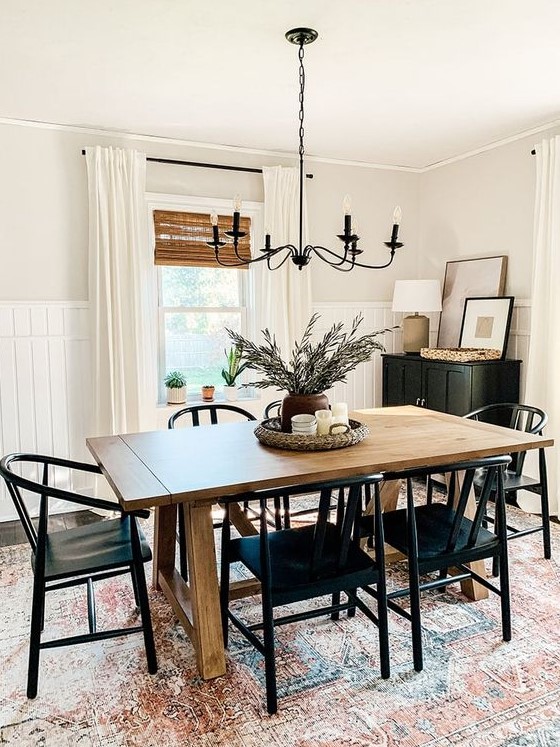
(283, 296)
(121, 293)
(542, 389)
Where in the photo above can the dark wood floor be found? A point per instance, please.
(11, 532)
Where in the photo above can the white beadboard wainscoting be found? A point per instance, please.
(45, 373)
(363, 388)
(44, 383)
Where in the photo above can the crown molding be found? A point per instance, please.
(493, 145)
(203, 146)
(97, 132)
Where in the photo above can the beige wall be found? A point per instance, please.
(482, 206)
(43, 210)
(478, 206)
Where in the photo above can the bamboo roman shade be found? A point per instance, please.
(181, 239)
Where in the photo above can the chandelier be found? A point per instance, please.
(346, 258)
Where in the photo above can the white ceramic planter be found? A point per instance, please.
(177, 395)
(230, 393)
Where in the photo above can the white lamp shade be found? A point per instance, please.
(417, 295)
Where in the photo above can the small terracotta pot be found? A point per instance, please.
(296, 404)
(208, 393)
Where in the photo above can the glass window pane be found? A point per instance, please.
(199, 286)
(195, 344)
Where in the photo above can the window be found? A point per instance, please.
(196, 305)
(198, 299)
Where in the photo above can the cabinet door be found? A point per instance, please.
(402, 381)
(446, 388)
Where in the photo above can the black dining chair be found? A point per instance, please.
(82, 555)
(192, 416)
(435, 537)
(529, 420)
(283, 510)
(303, 563)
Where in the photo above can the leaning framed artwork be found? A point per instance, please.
(486, 323)
(467, 278)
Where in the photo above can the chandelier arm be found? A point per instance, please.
(342, 260)
(253, 260)
(345, 265)
(353, 262)
(286, 258)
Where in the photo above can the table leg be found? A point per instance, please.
(196, 604)
(165, 521)
(470, 588)
(204, 594)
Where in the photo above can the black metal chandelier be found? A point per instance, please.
(300, 255)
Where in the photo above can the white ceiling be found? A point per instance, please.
(397, 82)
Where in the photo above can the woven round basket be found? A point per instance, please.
(461, 355)
(269, 433)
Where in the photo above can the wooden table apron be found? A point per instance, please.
(197, 466)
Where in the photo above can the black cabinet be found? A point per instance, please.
(456, 388)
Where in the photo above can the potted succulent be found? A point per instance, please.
(313, 367)
(232, 371)
(208, 392)
(176, 383)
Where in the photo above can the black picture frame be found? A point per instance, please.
(486, 322)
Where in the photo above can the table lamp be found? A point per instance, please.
(416, 296)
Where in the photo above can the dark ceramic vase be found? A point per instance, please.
(296, 404)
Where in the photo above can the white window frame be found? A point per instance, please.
(254, 210)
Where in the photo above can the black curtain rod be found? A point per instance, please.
(221, 166)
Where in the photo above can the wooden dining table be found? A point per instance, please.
(198, 466)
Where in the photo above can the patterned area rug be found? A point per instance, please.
(475, 689)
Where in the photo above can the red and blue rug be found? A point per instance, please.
(475, 689)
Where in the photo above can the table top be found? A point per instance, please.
(202, 464)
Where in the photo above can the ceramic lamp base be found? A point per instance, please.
(416, 333)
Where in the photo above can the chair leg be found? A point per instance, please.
(545, 510)
(496, 558)
(37, 617)
(416, 625)
(429, 490)
(504, 594)
(269, 658)
(286, 505)
(183, 563)
(139, 579)
(277, 513)
(335, 599)
(224, 574)
(135, 587)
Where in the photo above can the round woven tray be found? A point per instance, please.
(461, 355)
(269, 433)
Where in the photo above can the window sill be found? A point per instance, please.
(218, 399)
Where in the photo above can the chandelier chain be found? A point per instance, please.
(301, 97)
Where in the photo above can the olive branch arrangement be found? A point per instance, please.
(312, 367)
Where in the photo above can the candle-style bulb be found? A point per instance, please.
(214, 218)
(346, 205)
(237, 203)
(397, 215)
